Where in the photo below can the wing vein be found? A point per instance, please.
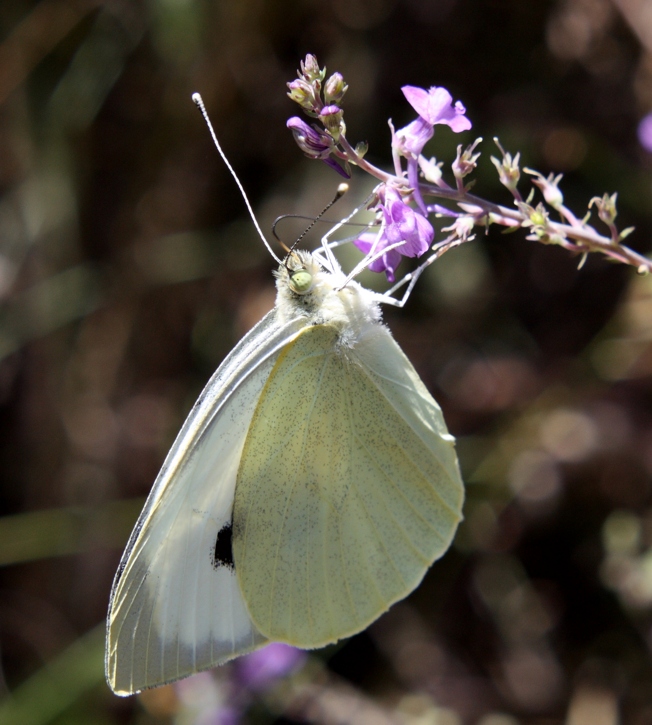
(397, 488)
(366, 510)
(295, 483)
(424, 475)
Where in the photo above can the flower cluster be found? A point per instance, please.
(319, 100)
(404, 198)
(404, 231)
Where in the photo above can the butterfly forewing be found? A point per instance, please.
(342, 507)
(176, 606)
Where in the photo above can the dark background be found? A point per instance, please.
(128, 269)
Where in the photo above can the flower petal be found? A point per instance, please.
(417, 98)
(436, 106)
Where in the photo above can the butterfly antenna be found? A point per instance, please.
(197, 99)
(341, 190)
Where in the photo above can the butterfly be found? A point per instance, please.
(311, 487)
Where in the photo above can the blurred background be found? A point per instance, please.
(128, 269)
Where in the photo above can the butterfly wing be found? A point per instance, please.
(176, 606)
(339, 513)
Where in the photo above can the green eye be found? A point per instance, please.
(300, 281)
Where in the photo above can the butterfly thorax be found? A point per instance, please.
(328, 301)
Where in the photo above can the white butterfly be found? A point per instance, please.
(311, 487)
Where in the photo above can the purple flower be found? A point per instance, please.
(436, 106)
(388, 262)
(401, 224)
(260, 670)
(433, 106)
(412, 138)
(314, 143)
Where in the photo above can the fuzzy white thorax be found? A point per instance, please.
(351, 309)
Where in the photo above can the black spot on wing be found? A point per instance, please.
(223, 554)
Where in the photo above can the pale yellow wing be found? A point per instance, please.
(348, 488)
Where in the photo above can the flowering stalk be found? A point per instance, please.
(402, 197)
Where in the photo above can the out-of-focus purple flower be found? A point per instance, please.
(221, 716)
(645, 132)
(203, 702)
(401, 224)
(314, 143)
(261, 669)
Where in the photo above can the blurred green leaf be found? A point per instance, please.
(47, 306)
(59, 684)
(43, 534)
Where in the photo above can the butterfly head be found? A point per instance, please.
(306, 289)
(299, 278)
(300, 273)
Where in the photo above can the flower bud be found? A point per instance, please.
(361, 149)
(305, 95)
(549, 188)
(536, 218)
(431, 170)
(314, 143)
(508, 170)
(334, 89)
(466, 161)
(462, 228)
(539, 216)
(331, 117)
(606, 208)
(310, 69)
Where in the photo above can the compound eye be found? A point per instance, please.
(300, 281)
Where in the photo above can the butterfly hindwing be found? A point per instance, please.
(342, 506)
